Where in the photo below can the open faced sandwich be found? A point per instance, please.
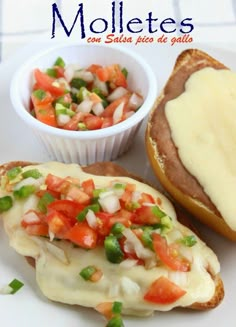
(99, 236)
(191, 137)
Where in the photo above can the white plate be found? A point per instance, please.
(29, 307)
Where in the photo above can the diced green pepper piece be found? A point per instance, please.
(82, 126)
(113, 250)
(98, 191)
(12, 173)
(83, 93)
(132, 206)
(78, 83)
(39, 94)
(166, 224)
(94, 207)
(34, 173)
(61, 109)
(16, 285)
(59, 62)
(115, 322)
(51, 72)
(158, 212)
(147, 237)
(62, 101)
(117, 307)
(117, 229)
(45, 200)
(124, 72)
(118, 186)
(87, 272)
(24, 192)
(189, 240)
(6, 203)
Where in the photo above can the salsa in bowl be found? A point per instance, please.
(87, 145)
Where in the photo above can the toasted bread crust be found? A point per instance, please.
(163, 153)
(112, 169)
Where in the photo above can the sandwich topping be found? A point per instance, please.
(98, 239)
(203, 129)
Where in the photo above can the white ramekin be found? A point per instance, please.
(85, 147)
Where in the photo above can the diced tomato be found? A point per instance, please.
(59, 71)
(76, 194)
(103, 74)
(37, 230)
(93, 122)
(57, 184)
(82, 235)
(58, 223)
(104, 225)
(55, 194)
(145, 216)
(116, 76)
(72, 125)
(164, 291)
(96, 276)
(88, 186)
(93, 68)
(122, 216)
(45, 82)
(48, 98)
(69, 208)
(107, 122)
(46, 114)
(105, 308)
(169, 255)
(146, 198)
(109, 110)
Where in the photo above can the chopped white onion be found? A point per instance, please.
(135, 101)
(51, 235)
(6, 290)
(64, 82)
(98, 108)
(84, 75)
(29, 181)
(113, 290)
(91, 219)
(70, 71)
(30, 202)
(102, 86)
(128, 263)
(63, 119)
(57, 253)
(118, 113)
(186, 252)
(128, 286)
(85, 106)
(110, 203)
(174, 235)
(180, 278)
(31, 217)
(136, 195)
(133, 243)
(117, 93)
(106, 193)
(148, 204)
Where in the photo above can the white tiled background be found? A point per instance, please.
(26, 20)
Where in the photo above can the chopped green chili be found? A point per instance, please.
(78, 83)
(87, 272)
(59, 62)
(94, 207)
(12, 173)
(16, 285)
(115, 322)
(44, 202)
(39, 94)
(6, 203)
(34, 173)
(24, 191)
(189, 240)
(113, 250)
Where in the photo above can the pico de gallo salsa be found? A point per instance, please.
(129, 224)
(80, 99)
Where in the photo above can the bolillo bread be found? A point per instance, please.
(203, 259)
(163, 153)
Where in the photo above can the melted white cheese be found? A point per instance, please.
(203, 127)
(62, 282)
